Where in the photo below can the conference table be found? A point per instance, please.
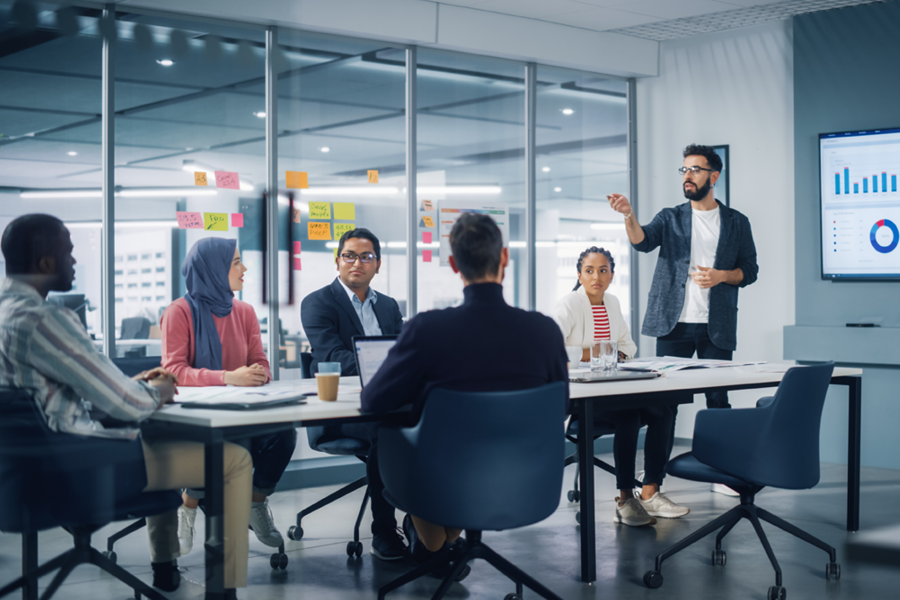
(213, 427)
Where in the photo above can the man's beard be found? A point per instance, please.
(698, 193)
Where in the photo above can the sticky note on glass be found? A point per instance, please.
(215, 221)
(342, 228)
(297, 216)
(297, 180)
(335, 254)
(427, 205)
(189, 220)
(426, 255)
(344, 211)
(237, 219)
(427, 222)
(227, 180)
(319, 231)
(296, 256)
(426, 237)
(320, 210)
(200, 178)
(373, 176)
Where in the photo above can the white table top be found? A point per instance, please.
(347, 404)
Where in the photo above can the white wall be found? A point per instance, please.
(733, 87)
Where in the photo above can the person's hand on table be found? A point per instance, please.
(153, 374)
(252, 376)
(707, 277)
(165, 384)
(622, 356)
(586, 355)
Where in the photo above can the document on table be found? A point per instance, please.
(674, 363)
(277, 390)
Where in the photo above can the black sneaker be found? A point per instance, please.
(388, 545)
(166, 576)
(421, 555)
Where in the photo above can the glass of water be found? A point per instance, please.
(605, 356)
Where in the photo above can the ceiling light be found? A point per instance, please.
(567, 111)
(63, 194)
(261, 114)
(166, 62)
(545, 169)
(557, 189)
(466, 190)
(122, 224)
(350, 191)
(72, 153)
(325, 149)
(166, 192)
(608, 226)
(517, 244)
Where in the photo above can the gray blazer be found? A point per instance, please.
(670, 231)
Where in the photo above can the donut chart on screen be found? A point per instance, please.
(895, 236)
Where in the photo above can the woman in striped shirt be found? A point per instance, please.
(589, 314)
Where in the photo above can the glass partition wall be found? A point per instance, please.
(190, 160)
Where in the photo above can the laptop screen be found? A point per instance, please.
(370, 353)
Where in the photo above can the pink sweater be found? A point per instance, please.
(241, 343)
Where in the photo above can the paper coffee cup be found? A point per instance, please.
(328, 386)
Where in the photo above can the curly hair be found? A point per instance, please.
(595, 250)
(707, 152)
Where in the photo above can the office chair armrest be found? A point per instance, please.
(765, 401)
(728, 439)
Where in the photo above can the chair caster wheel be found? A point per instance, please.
(833, 570)
(573, 496)
(718, 558)
(111, 556)
(578, 517)
(278, 561)
(776, 592)
(354, 549)
(653, 579)
(295, 532)
(512, 597)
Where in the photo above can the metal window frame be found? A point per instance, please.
(631, 115)
(412, 224)
(274, 329)
(108, 223)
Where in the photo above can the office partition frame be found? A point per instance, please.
(271, 267)
(107, 157)
(530, 186)
(412, 218)
(631, 115)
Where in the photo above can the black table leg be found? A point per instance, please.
(214, 484)
(29, 564)
(586, 473)
(853, 444)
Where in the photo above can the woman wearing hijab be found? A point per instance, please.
(210, 338)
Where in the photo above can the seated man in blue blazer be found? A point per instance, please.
(331, 316)
(484, 345)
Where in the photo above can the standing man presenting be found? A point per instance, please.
(706, 254)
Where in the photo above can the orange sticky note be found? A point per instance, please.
(200, 178)
(319, 231)
(426, 255)
(373, 176)
(237, 219)
(427, 206)
(298, 216)
(427, 221)
(297, 180)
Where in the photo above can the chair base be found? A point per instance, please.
(725, 523)
(355, 547)
(473, 548)
(82, 553)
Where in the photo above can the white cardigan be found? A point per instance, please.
(575, 318)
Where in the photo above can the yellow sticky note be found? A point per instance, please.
(320, 210)
(335, 254)
(344, 211)
(297, 216)
(319, 231)
(427, 206)
(428, 221)
(297, 180)
(342, 228)
(200, 178)
(373, 176)
(215, 221)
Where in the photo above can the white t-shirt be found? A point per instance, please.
(704, 240)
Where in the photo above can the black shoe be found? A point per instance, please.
(388, 545)
(166, 576)
(231, 594)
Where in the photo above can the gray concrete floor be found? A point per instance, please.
(319, 567)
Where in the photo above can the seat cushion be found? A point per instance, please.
(600, 428)
(344, 446)
(686, 466)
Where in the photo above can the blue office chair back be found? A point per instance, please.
(479, 460)
(776, 444)
(131, 366)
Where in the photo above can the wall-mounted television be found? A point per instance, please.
(860, 204)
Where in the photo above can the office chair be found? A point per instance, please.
(456, 467)
(135, 328)
(321, 440)
(80, 483)
(775, 444)
(600, 429)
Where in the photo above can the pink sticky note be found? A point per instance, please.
(296, 256)
(297, 263)
(227, 180)
(189, 220)
(426, 255)
(237, 219)
(426, 237)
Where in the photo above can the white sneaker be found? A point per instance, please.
(263, 525)
(632, 513)
(720, 488)
(660, 506)
(186, 518)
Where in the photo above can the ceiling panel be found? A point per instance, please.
(14, 123)
(48, 92)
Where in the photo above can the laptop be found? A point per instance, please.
(619, 376)
(370, 352)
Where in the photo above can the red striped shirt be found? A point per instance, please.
(601, 323)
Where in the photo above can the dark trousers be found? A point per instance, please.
(657, 443)
(684, 341)
(383, 519)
